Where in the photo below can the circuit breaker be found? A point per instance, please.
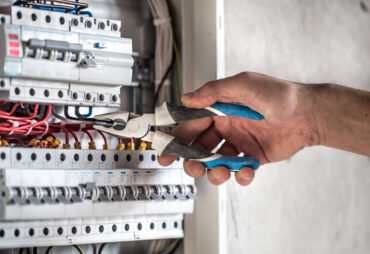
(55, 57)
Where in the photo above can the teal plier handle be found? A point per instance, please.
(209, 160)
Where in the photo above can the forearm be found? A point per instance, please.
(342, 117)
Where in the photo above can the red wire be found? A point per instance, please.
(104, 137)
(119, 140)
(9, 129)
(62, 128)
(15, 106)
(73, 134)
(3, 103)
(22, 118)
(88, 134)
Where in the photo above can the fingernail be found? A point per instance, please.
(215, 176)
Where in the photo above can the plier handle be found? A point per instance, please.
(129, 125)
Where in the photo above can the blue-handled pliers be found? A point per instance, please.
(126, 124)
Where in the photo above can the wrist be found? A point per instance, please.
(313, 126)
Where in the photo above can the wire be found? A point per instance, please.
(78, 248)
(15, 106)
(103, 136)
(164, 36)
(178, 69)
(88, 134)
(176, 50)
(167, 249)
(17, 118)
(160, 85)
(34, 250)
(101, 248)
(32, 125)
(89, 120)
(94, 248)
(79, 115)
(48, 251)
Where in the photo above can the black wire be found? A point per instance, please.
(34, 250)
(176, 247)
(160, 85)
(20, 251)
(66, 8)
(101, 248)
(94, 248)
(85, 118)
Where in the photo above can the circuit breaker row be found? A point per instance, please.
(89, 230)
(58, 93)
(59, 21)
(77, 194)
(37, 158)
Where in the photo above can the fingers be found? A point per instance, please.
(244, 176)
(226, 90)
(187, 132)
(218, 175)
(194, 168)
(231, 89)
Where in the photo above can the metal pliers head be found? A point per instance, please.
(126, 124)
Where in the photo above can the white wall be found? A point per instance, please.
(318, 201)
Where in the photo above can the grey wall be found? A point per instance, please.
(317, 201)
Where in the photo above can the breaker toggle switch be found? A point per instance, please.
(191, 191)
(33, 196)
(168, 192)
(117, 194)
(154, 192)
(179, 192)
(17, 195)
(46, 195)
(104, 194)
(141, 193)
(88, 60)
(76, 195)
(130, 193)
(61, 195)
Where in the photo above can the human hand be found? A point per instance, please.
(289, 123)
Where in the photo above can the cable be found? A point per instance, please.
(94, 248)
(32, 125)
(164, 37)
(79, 115)
(88, 120)
(103, 136)
(160, 85)
(17, 118)
(101, 248)
(167, 249)
(48, 251)
(176, 51)
(34, 250)
(78, 248)
(15, 106)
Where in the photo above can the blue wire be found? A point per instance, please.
(88, 114)
(62, 10)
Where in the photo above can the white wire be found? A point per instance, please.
(164, 37)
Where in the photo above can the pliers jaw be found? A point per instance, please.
(126, 124)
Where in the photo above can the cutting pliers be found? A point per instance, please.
(126, 124)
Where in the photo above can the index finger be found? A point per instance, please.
(187, 132)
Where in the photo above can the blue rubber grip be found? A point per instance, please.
(233, 163)
(230, 109)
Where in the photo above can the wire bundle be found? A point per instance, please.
(164, 41)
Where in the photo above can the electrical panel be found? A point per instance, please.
(52, 192)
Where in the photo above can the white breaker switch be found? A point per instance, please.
(64, 59)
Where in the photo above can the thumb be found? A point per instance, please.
(222, 90)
